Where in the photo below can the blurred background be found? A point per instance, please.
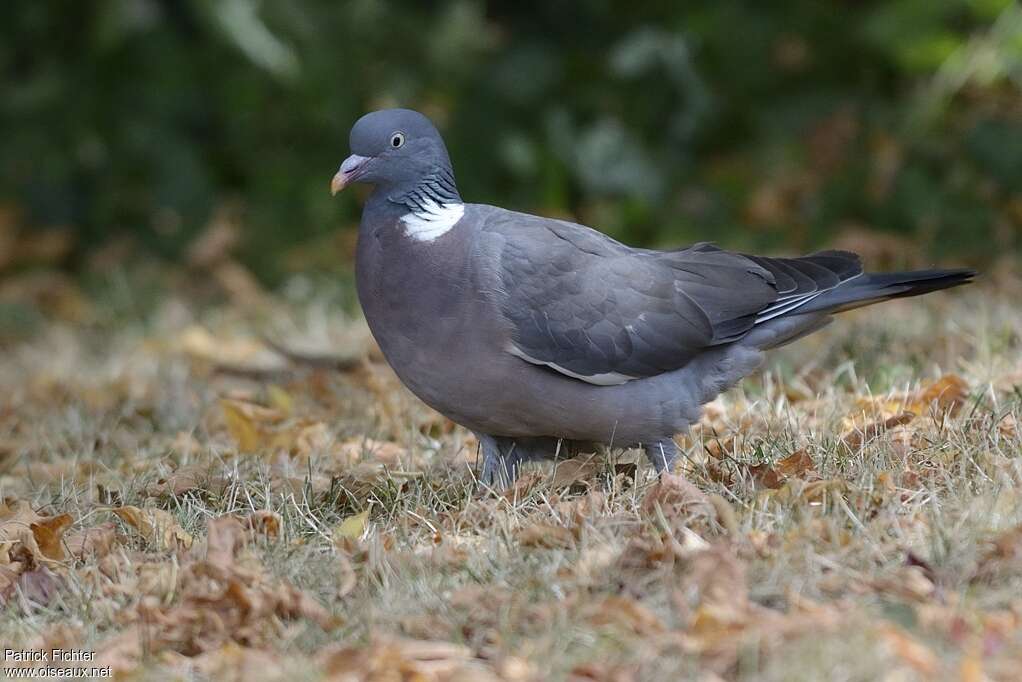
(200, 137)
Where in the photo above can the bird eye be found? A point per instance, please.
(397, 139)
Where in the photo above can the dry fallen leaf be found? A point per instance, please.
(354, 450)
(97, 541)
(948, 394)
(353, 527)
(49, 534)
(256, 428)
(235, 353)
(546, 535)
(579, 470)
(681, 503)
(797, 465)
(241, 424)
(265, 522)
(24, 531)
(628, 613)
(156, 526)
(945, 396)
(184, 479)
(521, 487)
(855, 438)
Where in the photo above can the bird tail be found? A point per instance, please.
(870, 288)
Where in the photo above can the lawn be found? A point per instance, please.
(182, 500)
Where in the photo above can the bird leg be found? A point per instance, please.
(501, 460)
(661, 454)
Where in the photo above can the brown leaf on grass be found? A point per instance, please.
(49, 533)
(672, 490)
(256, 428)
(355, 450)
(24, 533)
(720, 448)
(855, 438)
(812, 492)
(582, 507)
(796, 465)
(579, 470)
(681, 503)
(222, 598)
(627, 613)
(265, 522)
(766, 476)
(523, 485)
(97, 541)
(241, 354)
(15, 516)
(156, 526)
(241, 419)
(799, 463)
(304, 438)
(947, 394)
(185, 479)
(547, 536)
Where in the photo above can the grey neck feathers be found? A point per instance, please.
(436, 188)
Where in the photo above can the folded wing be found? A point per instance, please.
(596, 310)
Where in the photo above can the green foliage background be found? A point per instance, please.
(754, 124)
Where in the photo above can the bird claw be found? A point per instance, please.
(662, 454)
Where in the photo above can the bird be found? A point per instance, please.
(546, 338)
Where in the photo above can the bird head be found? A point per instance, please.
(392, 148)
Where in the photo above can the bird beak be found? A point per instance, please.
(348, 172)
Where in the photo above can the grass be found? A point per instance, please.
(899, 557)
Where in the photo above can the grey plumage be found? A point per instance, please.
(542, 336)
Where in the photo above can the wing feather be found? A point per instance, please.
(594, 309)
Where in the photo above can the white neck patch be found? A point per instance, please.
(432, 221)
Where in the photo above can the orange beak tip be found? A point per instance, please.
(337, 184)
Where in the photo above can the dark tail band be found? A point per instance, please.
(872, 288)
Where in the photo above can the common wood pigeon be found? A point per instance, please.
(542, 336)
